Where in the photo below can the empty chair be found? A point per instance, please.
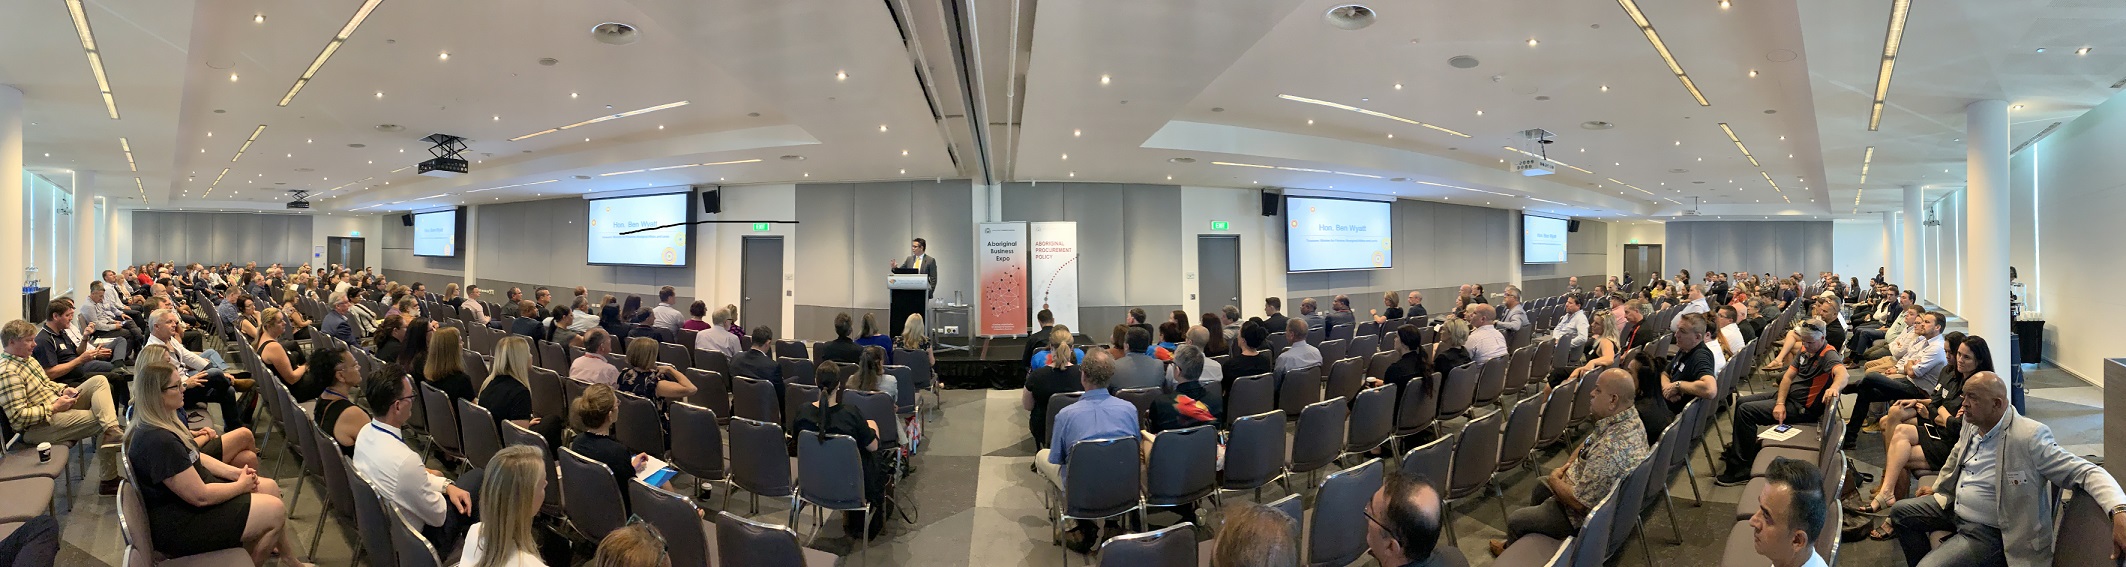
(589, 492)
(904, 388)
(688, 336)
(755, 399)
(711, 391)
(675, 355)
(878, 409)
(1346, 376)
(740, 541)
(1417, 406)
(1583, 397)
(1517, 366)
(1255, 452)
(791, 349)
(797, 402)
(1318, 336)
(1476, 455)
(1557, 414)
(1298, 388)
(551, 355)
(1142, 398)
(1490, 381)
(1101, 480)
(1543, 361)
(1182, 468)
(1458, 392)
(571, 389)
(1336, 532)
(1363, 346)
(1522, 426)
(798, 371)
(474, 364)
(371, 519)
(713, 361)
(139, 538)
(512, 435)
(697, 443)
(339, 498)
(1333, 350)
(1056, 403)
(686, 538)
(2082, 521)
(1171, 546)
(1292, 507)
(1365, 329)
(640, 426)
(833, 477)
(442, 421)
(1628, 493)
(1319, 438)
(549, 397)
(477, 427)
(760, 462)
(1372, 420)
(1431, 461)
(1248, 395)
(1377, 363)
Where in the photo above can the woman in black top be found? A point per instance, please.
(1254, 356)
(445, 368)
(414, 353)
(1061, 375)
(828, 416)
(1449, 354)
(1214, 343)
(390, 338)
(593, 413)
(195, 502)
(505, 394)
(335, 401)
(1916, 444)
(285, 363)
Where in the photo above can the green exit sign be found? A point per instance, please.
(1221, 225)
(760, 227)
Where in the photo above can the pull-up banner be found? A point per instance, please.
(1002, 251)
(1055, 271)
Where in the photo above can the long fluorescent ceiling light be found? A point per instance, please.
(1367, 112)
(509, 186)
(128, 147)
(1298, 169)
(1738, 144)
(247, 143)
(1634, 187)
(1631, 8)
(216, 183)
(1899, 9)
(1863, 188)
(604, 118)
(331, 47)
(88, 44)
(1460, 187)
(1536, 156)
(683, 166)
(142, 188)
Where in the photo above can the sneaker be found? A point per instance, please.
(1873, 426)
(1733, 476)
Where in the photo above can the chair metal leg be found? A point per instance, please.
(1673, 527)
(1690, 472)
(1644, 546)
(317, 534)
(1447, 517)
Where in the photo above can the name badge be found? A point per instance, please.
(2018, 478)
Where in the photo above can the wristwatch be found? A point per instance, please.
(2116, 510)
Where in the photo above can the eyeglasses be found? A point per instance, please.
(1383, 526)
(663, 551)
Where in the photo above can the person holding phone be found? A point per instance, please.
(1810, 384)
(593, 413)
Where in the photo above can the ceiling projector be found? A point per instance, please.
(300, 201)
(447, 162)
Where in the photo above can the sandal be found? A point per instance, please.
(1883, 531)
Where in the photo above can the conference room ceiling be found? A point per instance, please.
(1185, 92)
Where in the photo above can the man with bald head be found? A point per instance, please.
(2001, 484)
(1485, 340)
(1405, 524)
(1617, 444)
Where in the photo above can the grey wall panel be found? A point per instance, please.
(942, 214)
(1102, 242)
(1779, 247)
(1152, 244)
(879, 233)
(824, 237)
(213, 238)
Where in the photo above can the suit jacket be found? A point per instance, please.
(929, 268)
(1341, 318)
(1138, 371)
(755, 364)
(2027, 506)
(337, 326)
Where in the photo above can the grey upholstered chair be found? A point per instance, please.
(590, 492)
(760, 462)
(1336, 534)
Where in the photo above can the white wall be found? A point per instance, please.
(121, 238)
(1261, 246)
(1634, 232)
(366, 227)
(1858, 248)
(719, 247)
(2080, 187)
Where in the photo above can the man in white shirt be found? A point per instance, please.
(718, 337)
(1914, 377)
(1571, 331)
(592, 366)
(1730, 329)
(1696, 304)
(582, 319)
(1790, 514)
(1485, 341)
(664, 316)
(441, 509)
(206, 378)
(1299, 354)
(471, 309)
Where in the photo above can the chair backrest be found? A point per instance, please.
(1333, 349)
(2082, 520)
(477, 427)
(1336, 534)
(919, 367)
(1417, 404)
(1346, 377)
(1628, 494)
(1592, 541)
(334, 464)
(1102, 478)
(878, 409)
(442, 418)
(589, 492)
(1490, 381)
(1543, 360)
(714, 361)
(513, 435)
(549, 396)
(408, 547)
(1142, 398)
(370, 518)
(760, 462)
(755, 399)
(697, 442)
(1517, 367)
(133, 525)
(639, 425)
(1557, 414)
(474, 365)
(786, 348)
(1458, 392)
(1433, 461)
(832, 471)
(740, 541)
(1298, 388)
(711, 390)
(1056, 403)
(1182, 467)
(1372, 419)
(675, 355)
(1476, 455)
(1171, 546)
(1366, 329)
(1363, 345)
(687, 337)
(676, 520)
(1248, 395)
(1255, 451)
(1292, 507)
(551, 355)
(1521, 430)
(1377, 363)
(798, 371)
(1583, 397)
(1319, 438)
(1318, 336)
(797, 402)
(903, 388)
(571, 389)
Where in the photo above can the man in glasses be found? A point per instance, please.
(337, 323)
(1403, 523)
(1564, 497)
(443, 511)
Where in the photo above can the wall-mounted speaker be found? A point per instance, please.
(712, 201)
(1269, 204)
(406, 219)
(1572, 225)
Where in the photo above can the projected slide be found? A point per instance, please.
(662, 247)
(1542, 240)
(435, 233)
(1337, 234)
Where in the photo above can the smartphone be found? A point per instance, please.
(1782, 428)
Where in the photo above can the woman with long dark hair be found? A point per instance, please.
(413, 356)
(1920, 433)
(1215, 344)
(829, 416)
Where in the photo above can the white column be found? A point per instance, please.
(11, 211)
(84, 245)
(1914, 260)
(1891, 252)
(472, 253)
(106, 241)
(1985, 260)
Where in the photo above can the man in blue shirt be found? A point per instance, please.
(336, 322)
(1097, 415)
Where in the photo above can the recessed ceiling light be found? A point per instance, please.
(1398, 86)
(1169, 178)
(1753, 73)
(380, 94)
(258, 19)
(232, 77)
(1076, 133)
(841, 75)
(1310, 122)
(1631, 8)
(1531, 42)
(2082, 51)
(1899, 10)
(1605, 88)
(1479, 113)
(1103, 79)
(443, 56)
(904, 172)
(1066, 157)
(498, 118)
(332, 46)
(1723, 4)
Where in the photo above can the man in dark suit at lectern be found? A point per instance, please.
(920, 263)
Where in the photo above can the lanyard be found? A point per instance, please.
(388, 432)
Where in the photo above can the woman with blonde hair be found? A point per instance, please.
(633, 545)
(644, 377)
(510, 497)
(238, 446)
(1601, 350)
(505, 393)
(196, 503)
(915, 335)
(445, 366)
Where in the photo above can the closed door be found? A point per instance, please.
(1217, 272)
(1640, 260)
(760, 286)
(344, 251)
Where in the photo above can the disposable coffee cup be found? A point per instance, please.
(44, 452)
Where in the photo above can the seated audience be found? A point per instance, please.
(841, 349)
(1298, 354)
(1600, 350)
(829, 416)
(1690, 373)
(592, 367)
(594, 414)
(1918, 434)
(44, 411)
(445, 366)
(871, 374)
(1096, 415)
(528, 323)
(205, 379)
(560, 323)
(1038, 339)
(1040, 358)
(440, 509)
(413, 354)
(1135, 369)
(390, 339)
(696, 313)
(343, 379)
(1416, 305)
(1254, 535)
(195, 502)
(1188, 403)
(633, 545)
(1450, 353)
(717, 337)
(1563, 497)
(1060, 375)
(510, 498)
(1411, 363)
(277, 357)
(1213, 372)
(1915, 377)
(1340, 312)
(1215, 343)
(1790, 514)
(64, 357)
(646, 378)
(1393, 311)
(1171, 335)
(872, 334)
(1809, 386)
(237, 447)
(915, 335)
(1485, 341)
(1309, 312)
(759, 362)
(506, 394)
(664, 316)
(581, 318)
(1405, 523)
(1272, 317)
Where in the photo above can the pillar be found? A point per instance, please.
(1985, 259)
(1914, 260)
(1892, 254)
(106, 243)
(11, 211)
(83, 248)
(472, 253)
